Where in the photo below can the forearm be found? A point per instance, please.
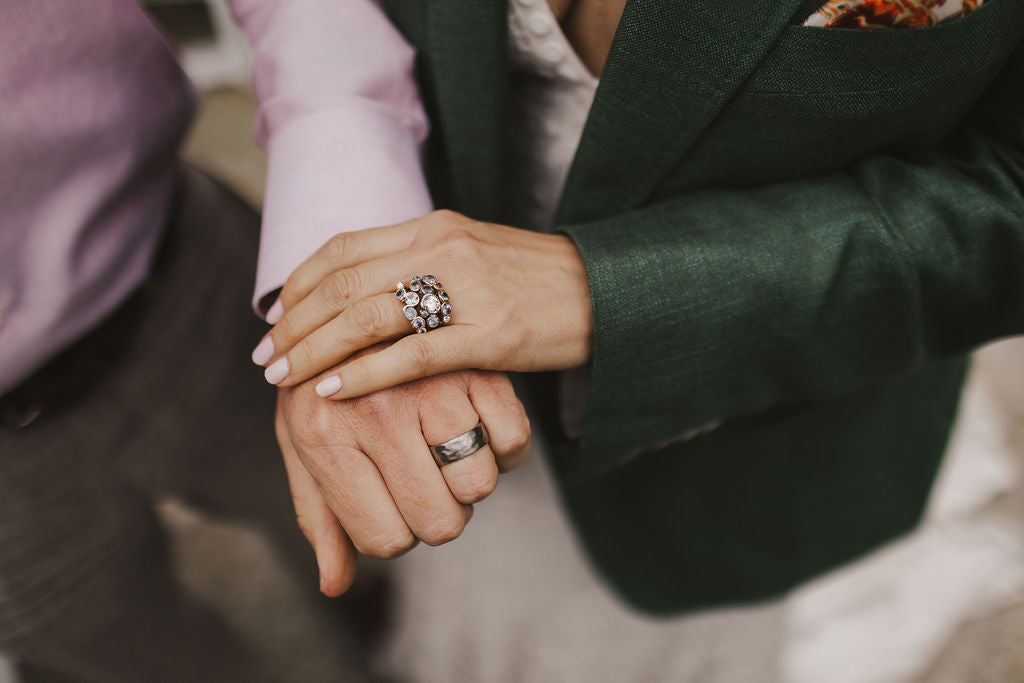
(341, 119)
(804, 291)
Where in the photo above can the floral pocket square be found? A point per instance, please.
(877, 14)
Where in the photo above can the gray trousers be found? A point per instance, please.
(159, 400)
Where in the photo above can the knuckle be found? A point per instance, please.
(421, 354)
(338, 288)
(380, 409)
(443, 530)
(318, 420)
(291, 283)
(303, 355)
(441, 217)
(474, 485)
(369, 318)
(286, 332)
(337, 245)
(319, 429)
(388, 545)
(462, 242)
(519, 439)
(378, 404)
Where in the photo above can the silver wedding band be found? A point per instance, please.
(462, 446)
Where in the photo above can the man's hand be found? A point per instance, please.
(362, 476)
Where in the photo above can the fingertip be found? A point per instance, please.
(275, 312)
(264, 351)
(336, 584)
(278, 371)
(329, 387)
(337, 566)
(333, 583)
(332, 587)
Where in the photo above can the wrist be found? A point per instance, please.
(577, 313)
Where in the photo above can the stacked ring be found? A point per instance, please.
(425, 303)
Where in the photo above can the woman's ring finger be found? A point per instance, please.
(425, 303)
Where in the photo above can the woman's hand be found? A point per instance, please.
(520, 302)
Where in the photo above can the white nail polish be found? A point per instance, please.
(329, 386)
(275, 313)
(264, 351)
(277, 371)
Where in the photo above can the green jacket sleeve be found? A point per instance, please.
(724, 303)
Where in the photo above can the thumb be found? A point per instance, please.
(335, 554)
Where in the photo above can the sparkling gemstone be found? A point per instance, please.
(446, 309)
(446, 319)
(415, 284)
(400, 294)
(431, 303)
(432, 321)
(443, 294)
(421, 330)
(418, 323)
(427, 289)
(412, 298)
(410, 312)
(429, 279)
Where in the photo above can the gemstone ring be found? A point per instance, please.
(425, 303)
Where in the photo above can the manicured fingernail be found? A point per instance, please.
(264, 351)
(277, 371)
(275, 312)
(329, 386)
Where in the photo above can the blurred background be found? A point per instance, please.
(234, 568)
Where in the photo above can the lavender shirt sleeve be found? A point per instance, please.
(94, 107)
(341, 120)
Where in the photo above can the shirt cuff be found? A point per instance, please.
(334, 171)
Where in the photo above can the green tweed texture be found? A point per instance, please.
(796, 232)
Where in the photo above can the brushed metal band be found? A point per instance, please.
(461, 446)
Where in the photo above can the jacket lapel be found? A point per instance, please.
(672, 67)
(467, 60)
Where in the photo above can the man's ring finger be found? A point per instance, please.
(462, 446)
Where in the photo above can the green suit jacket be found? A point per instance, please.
(798, 231)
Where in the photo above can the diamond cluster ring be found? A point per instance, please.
(425, 302)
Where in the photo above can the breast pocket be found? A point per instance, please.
(813, 60)
(824, 97)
